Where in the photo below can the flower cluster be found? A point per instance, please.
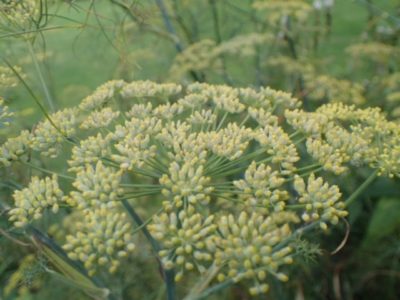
(206, 54)
(243, 45)
(290, 66)
(338, 135)
(145, 89)
(222, 164)
(102, 95)
(260, 188)
(251, 248)
(7, 77)
(19, 14)
(376, 52)
(324, 87)
(49, 134)
(185, 184)
(101, 240)
(89, 151)
(30, 202)
(98, 187)
(197, 57)
(277, 10)
(321, 200)
(14, 148)
(279, 146)
(187, 239)
(100, 118)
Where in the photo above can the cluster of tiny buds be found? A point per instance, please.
(99, 118)
(321, 201)
(7, 77)
(49, 134)
(187, 239)
(98, 186)
(249, 248)
(14, 148)
(185, 184)
(260, 188)
(20, 15)
(30, 202)
(89, 151)
(197, 151)
(102, 238)
(279, 9)
(134, 151)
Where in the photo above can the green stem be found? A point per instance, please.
(147, 222)
(169, 275)
(307, 168)
(47, 171)
(35, 98)
(132, 195)
(213, 289)
(230, 164)
(316, 170)
(361, 188)
(222, 121)
(37, 30)
(41, 78)
(139, 185)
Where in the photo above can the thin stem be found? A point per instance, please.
(46, 91)
(244, 120)
(146, 173)
(35, 98)
(305, 174)
(295, 234)
(138, 195)
(169, 275)
(147, 222)
(139, 185)
(155, 165)
(230, 164)
(307, 168)
(361, 188)
(295, 206)
(213, 289)
(47, 171)
(222, 121)
(13, 34)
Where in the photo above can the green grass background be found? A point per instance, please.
(82, 59)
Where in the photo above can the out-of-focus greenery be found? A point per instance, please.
(85, 43)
